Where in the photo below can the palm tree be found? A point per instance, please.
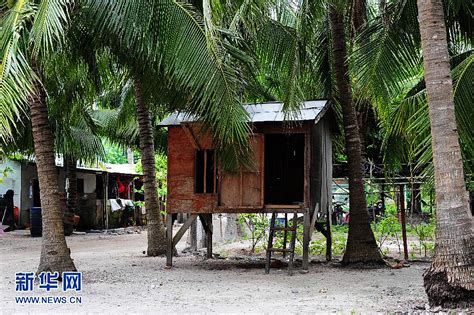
(152, 38)
(75, 132)
(450, 278)
(156, 231)
(361, 245)
(126, 120)
(20, 84)
(71, 93)
(429, 117)
(55, 255)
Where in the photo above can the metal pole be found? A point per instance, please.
(403, 221)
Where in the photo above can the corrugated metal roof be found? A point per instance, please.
(264, 112)
(126, 169)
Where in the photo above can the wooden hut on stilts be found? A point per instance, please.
(292, 173)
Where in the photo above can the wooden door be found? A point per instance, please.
(245, 188)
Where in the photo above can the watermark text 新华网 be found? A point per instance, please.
(48, 282)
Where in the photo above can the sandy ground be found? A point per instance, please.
(117, 276)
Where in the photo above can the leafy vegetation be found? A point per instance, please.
(161, 167)
(257, 224)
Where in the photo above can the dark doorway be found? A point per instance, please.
(284, 169)
(99, 186)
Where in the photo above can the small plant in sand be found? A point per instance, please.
(425, 233)
(257, 224)
(387, 229)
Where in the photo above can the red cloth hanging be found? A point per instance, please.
(120, 186)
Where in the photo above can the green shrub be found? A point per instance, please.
(387, 229)
(425, 233)
(257, 223)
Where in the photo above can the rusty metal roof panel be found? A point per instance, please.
(264, 112)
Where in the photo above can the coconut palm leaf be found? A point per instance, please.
(407, 127)
(16, 76)
(49, 25)
(386, 53)
(169, 37)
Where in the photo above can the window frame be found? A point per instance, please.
(204, 172)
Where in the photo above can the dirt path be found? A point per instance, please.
(118, 276)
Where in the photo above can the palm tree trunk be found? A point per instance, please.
(450, 278)
(55, 255)
(361, 245)
(71, 201)
(359, 7)
(156, 230)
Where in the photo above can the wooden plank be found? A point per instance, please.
(252, 179)
(230, 187)
(243, 209)
(271, 206)
(251, 195)
(203, 203)
(181, 168)
(183, 228)
(245, 188)
(203, 137)
(192, 137)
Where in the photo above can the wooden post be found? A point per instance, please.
(270, 244)
(293, 240)
(209, 236)
(193, 236)
(169, 239)
(306, 239)
(329, 234)
(382, 197)
(183, 229)
(285, 234)
(403, 221)
(106, 198)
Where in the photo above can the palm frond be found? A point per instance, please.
(170, 38)
(407, 127)
(386, 54)
(49, 25)
(16, 76)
